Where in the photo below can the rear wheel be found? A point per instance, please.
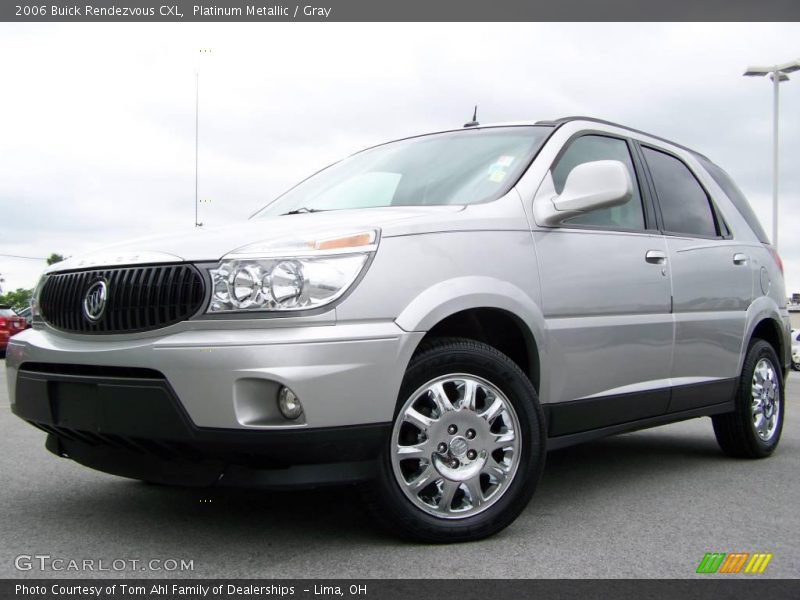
(753, 430)
(466, 449)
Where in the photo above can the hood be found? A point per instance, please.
(208, 244)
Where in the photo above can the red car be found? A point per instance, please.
(10, 324)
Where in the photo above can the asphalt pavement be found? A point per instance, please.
(646, 504)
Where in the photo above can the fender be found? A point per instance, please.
(760, 309)
(454, 295)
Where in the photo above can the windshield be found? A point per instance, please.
(459, 167)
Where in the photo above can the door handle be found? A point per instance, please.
(740, 259)
(657, 257)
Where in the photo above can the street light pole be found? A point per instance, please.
(776, 80)
(203, 52)
(777, 73)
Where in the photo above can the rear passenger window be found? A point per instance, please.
(736, 197)
(589, 148)
(685, 206)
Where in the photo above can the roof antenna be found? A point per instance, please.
(474, 122)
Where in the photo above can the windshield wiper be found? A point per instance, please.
(301, 210)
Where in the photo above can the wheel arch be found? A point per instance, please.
(770, 331)
(765, 322)
(483, 309)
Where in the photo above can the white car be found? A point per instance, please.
(796, 349)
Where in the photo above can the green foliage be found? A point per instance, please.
(18, 299)
(21, 298)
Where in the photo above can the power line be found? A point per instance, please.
(25, 257)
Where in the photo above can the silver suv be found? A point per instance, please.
(426, 318)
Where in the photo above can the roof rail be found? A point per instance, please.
(558, 122)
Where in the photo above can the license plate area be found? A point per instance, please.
(130, 407)
(74, 405)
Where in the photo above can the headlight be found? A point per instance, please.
(289, 274)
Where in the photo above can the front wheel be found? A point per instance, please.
(467, 446)
(753, 429)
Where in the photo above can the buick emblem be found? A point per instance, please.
(94, 302)
(459, 446)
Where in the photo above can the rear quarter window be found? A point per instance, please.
(737, 198)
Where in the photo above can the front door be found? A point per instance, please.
(605, 282)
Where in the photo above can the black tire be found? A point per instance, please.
(736, 431)
(438, 358)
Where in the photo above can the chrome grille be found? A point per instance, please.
(138, 298)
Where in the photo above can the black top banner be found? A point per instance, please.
(399, 10)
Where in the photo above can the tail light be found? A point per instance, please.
(3, 323)
(776, 256)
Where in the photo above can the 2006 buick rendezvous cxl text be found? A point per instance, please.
(425, 318)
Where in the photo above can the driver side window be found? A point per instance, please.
(589, 148)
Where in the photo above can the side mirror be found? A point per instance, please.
(589, 186)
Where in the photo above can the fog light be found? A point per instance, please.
(289, 404)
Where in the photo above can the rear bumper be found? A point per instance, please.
(131, 424)
(6, 335)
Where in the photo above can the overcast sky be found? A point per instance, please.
(97, 120)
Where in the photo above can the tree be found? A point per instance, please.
(18, 299)
(21, 298)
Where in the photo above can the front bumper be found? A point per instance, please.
(198, 406)
(130, 423)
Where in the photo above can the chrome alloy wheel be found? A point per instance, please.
(455, 446)
(765, 406)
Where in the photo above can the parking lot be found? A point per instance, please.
(646, 504)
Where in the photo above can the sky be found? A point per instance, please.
(97, 121)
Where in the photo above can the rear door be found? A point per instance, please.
(606, 300)
(712, 284)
